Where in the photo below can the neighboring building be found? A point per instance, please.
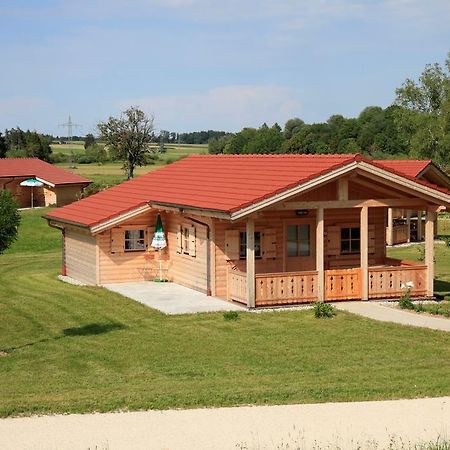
(257, 229)
(60, 186)
(405, 225)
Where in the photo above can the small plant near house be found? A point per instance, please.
(421, 253)
(446, 239)
(231, 315)
(324, 310)
(405, 301)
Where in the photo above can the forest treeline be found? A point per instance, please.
(416, 125)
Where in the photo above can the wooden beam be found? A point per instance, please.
(419, 226)
(338, 204)
(342, 193)
(250, 230)
(320, 255)
(429, 251)
(401, 183)
(390, 227)
(408, 225)
(373, 187)
(364, 236)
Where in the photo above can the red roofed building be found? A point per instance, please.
(262, 230)
(60, 187)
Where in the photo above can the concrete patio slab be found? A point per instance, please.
(171, 298)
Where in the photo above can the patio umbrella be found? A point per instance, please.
(32, 182)
(158, 243)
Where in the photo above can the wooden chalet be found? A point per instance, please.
(262, 230)
(60, 187)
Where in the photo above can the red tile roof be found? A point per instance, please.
(34, 167)
(408, 167)
(224, 183)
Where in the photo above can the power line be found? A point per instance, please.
(70, 126)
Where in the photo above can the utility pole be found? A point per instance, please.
(70, 126)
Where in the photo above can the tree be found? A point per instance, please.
(3, 146)
(292, 126)
(423, 118)
(9, 220)
(129, 137)
(89, 140)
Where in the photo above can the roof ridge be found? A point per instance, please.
(271, 155)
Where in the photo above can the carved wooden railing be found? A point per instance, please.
(285, 288)
(390, 282)
(237, 285)
(343, 284)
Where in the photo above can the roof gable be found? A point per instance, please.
(221, 183)
(34, 167)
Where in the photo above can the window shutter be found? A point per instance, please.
(117, 240)
(269, 244)
(232, 244)
(149, 237)
(333, 241)
(192, 241)
(372, 239)
(179, 239)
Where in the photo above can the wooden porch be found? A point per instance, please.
(288, 288)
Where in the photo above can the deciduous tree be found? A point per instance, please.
(128, 138)
(424, 114)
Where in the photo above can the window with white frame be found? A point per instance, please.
(134, 240)
(185, 240)
(243, 244)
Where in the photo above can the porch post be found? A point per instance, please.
(250, 263)
(364, 236)
(408, 225)
(419, 226)
(390, 227)
(429, 252)
(319, 255)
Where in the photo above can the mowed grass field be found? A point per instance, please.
(78, 349)
(112, 172)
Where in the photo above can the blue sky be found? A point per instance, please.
(199, 64)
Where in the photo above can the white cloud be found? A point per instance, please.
(226, 108)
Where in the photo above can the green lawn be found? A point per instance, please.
(79, 349)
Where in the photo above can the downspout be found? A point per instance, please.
(63, 248)
(208, 254)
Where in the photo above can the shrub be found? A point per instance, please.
(57, 158)
(231, 315)
(9, 220)
(405, 301)
(324, 310)
(421, 253)
(446, 239)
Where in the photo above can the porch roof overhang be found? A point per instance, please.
(425, 195)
